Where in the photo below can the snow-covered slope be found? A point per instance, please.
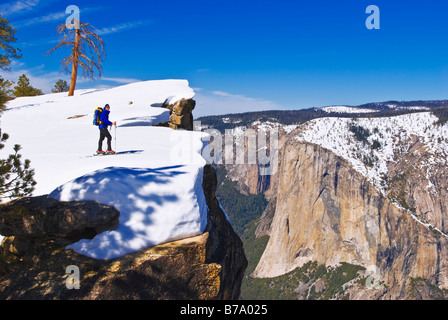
(346, 109)
(377, 107)
(391, 134)
(156, 185)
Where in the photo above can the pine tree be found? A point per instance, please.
(60, 86)
(5, 87)
(16, 177)
(24, 89)
(7, 38)
(3, 100)
(87, 52)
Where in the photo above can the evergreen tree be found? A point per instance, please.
(7, 50)
(16, 177)
(61, 86)
(3, 100)
(24, 89)
(5, 86)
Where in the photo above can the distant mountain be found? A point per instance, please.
(291, 117)
(397, 105)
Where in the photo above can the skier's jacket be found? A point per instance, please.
(104, 118)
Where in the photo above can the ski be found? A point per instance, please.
(104, 154)
(116, 153)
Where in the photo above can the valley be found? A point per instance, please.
(376, 225)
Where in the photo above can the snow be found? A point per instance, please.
(269, 126)
(345, 109)
(418, 108)
(394, 135)
(348, 109)
(156, 186)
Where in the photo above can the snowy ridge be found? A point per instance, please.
(396, 107)
(269, 126)
(360, 110)
(389, 134)
(345, 109)
(157, 186)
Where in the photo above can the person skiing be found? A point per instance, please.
(104, 132)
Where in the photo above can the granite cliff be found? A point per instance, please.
(380, 207)
(328, 213)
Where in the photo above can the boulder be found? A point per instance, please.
(40, 218)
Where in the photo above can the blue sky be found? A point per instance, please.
(251, 55)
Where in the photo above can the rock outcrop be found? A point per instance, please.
(182, 114)
(329, 213)
(35, 219)
(208, 266)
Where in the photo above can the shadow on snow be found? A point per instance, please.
(132, 192)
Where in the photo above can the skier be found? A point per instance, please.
(104, 132)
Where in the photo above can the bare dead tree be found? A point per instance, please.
(87, 52)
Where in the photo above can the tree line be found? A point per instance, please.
(25, 89)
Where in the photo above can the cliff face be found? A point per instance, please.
(249, 177)
(209, 266)
(418, 181)
(329, 213)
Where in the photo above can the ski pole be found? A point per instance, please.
(115, 137)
